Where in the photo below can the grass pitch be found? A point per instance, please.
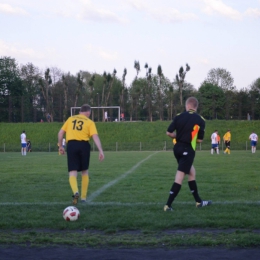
(127, 192)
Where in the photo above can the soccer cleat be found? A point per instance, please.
(203, 203)
(167, 208)
(75, 198)
(83, 201)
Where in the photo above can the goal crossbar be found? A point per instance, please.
(117, 107)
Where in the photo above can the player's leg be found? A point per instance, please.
(73, 167)
(184, 165)
(85, 157)
(228, 148)
(84, 185)
(194, 190)
(212, 149)
(174, 189)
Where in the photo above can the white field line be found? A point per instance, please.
(111, 183)
(125, 204)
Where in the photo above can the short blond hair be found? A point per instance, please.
(193, 102)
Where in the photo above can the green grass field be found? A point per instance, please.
(126, 196)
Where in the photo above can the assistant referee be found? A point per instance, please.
(79, 129)
(188, 129)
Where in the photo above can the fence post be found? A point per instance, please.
(116, 146)
(4, 148)
(49, 147)
(246, 145)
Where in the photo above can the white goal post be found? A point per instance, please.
(73, 109)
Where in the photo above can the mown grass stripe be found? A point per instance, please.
(111, 183)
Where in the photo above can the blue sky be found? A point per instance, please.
(100, 35)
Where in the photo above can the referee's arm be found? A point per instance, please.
(172, 135)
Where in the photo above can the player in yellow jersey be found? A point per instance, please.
(79, 129)
(227, 139)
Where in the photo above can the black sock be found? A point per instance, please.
(173, 193)
(194, 190)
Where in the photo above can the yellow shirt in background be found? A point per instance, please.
(227, 136)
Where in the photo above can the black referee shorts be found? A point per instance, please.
(78, 154)
(184, 155)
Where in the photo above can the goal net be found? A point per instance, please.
(109, 113)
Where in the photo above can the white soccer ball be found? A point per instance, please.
(71, 213)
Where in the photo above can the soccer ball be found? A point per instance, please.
(71, 213)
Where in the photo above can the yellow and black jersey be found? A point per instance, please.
(189, 127)
(79, 127)
(227, 136)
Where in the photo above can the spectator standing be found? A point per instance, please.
(23, 143)
(253, 138)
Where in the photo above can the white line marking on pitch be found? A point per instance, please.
(125, 204)
(111, 183)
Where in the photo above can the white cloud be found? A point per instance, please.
(86, 10)
(162, 14)
(102, 15)
(204, 61)
(171, 15)
(217, 6)
(18, 52)
(255, 12)
(8, 9)
(102, 53)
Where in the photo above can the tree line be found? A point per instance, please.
(29, 94)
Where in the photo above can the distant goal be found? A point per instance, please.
(109, 109)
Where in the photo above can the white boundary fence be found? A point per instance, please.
(121, 146)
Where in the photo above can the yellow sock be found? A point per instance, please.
(73, 184)
(84, 186)
(228, 151)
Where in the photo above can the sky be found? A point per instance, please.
(103, 35)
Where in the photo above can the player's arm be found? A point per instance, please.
(99, 146)
(60, 137)
(171, 135)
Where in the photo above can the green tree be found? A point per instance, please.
(11, 90)
(211, 98)
(254, 97)
(180, 80)
(30, 75)
(123, 91)
(159, 91)
(222, 78)
(45, 84)
(137, 67)
(79, 87)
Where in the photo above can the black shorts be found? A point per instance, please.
(227, 143)
(184, 155)
(78, 154)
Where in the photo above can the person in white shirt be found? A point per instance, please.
(214, 142)
(106, 118)
(254, 138)
(64, 143)
(23, 143)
